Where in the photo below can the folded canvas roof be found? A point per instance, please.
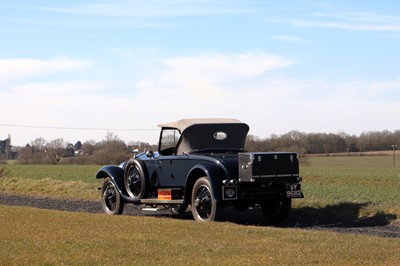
(185, 123)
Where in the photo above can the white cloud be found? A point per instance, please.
(360, 17)
(222, 66)
(181, 87)
(21, 68)
(218, 86)
(58, 90)
(209, 84)
(343, 25)
(244, 86)
(151, 8)
(345, 20)
(122, 14)
(287, 38)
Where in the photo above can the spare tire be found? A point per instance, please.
(136, 179)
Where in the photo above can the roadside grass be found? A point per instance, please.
(44, 237)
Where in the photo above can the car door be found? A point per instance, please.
(164, 171)
(168, 141)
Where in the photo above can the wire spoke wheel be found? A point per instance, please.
(203, 202)
(112, 202)
(109, 197)
(135, 180)
(204, 206)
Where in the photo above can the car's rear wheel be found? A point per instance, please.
(276, 210)
(204, 206)
(135, 179)
(111, 200)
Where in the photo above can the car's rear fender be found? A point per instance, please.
(214, 173)
(116, 174)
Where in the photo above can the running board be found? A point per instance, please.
(151, 209)
(157, 201)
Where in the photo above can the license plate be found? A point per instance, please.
(294, 191)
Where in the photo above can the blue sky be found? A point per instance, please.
(312, 66)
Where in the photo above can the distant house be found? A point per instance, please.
(7, 152)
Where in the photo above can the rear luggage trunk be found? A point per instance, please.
(267, 167)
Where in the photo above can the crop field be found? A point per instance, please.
(368, 181)
(363, 188)
(58, 181)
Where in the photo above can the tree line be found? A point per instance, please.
(113, 150)
(325, 143)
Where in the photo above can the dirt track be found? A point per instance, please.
(304, 218)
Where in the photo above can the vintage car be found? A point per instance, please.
(202, 163)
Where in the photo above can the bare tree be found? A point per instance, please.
(142, 146)
(350, 142)
(26, 154)
(112, 150)
(55, 149)
(88, 147)
(38, 150)
(39, 144)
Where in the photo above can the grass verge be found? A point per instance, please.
(43, 237)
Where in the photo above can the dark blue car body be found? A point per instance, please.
(202, 163)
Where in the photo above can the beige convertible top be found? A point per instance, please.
(185, 123)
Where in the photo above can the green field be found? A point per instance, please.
(58, 181)
(337, 189)
(370, 182)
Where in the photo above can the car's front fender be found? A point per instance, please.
(116, 173)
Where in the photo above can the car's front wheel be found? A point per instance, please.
(111, 200)
(276, 210)
(204, 206)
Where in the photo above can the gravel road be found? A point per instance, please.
(304, 218)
